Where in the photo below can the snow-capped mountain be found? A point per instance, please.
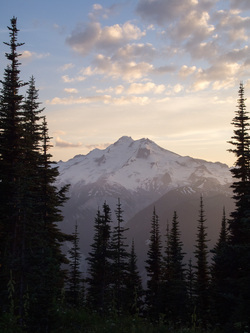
(140, 173)
(140, 165)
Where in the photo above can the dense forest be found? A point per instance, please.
(43, 289)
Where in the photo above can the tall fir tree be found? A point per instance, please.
(30, 244)
(75, 292)
(239, 223)
(119, 265)
(190, 279)
(134, 290)
(154, 270)
(11, 171)
(166, 272)
(47, 275)
(219, 300)
(99, 270)
(202, 269)
(177, 291)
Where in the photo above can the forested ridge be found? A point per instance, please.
(43, 290)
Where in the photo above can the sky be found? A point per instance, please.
(165, 70)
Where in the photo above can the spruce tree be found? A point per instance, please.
(75, 288)
(30, 244)
(239, 224)
(154, 270)
(202, 268)
(166, 272)
(119, 265)
(177, 294)
(219, 276)
(47, 275)
(99, 270)
(190, 287)
(134, 290)
(12, 224)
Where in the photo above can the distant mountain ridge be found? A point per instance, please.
(140, 173)
(140, 164)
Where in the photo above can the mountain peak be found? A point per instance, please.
(140, 164)
(124, 140)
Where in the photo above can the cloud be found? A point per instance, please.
(66, 67)
(59, 132)
(134, 89)
(221, 73)
(127, 71)
(98, 146)
(105, 99)
(92, 36)
(178, 88)
(173, 90)
(243, 4)
(237, 54)
(67, 79)
(27, 55)
(193, 25)
(163, 11)
(204, 50)
(80, 100)
(133, 51)
(164, 69)
(99, 11)
(71, 90)
(186, 71)
(232, 26)
(117, 90)
(65, 144)
(97, 6)
(140, 88)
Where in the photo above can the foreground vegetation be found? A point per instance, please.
(82, 321)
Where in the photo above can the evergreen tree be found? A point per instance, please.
(75, 289)
(219, 276)
(47, 276)
(154, 272)
(99, 270)
(134, 290)
(177, 294)
(166, 273)
(119, 261)
(11, 173)
(239, 224)
(30, 244)
(190, 287)
(201, 268)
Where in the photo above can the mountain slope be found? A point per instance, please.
(186, 204)
(140, 164)
(139, 172)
